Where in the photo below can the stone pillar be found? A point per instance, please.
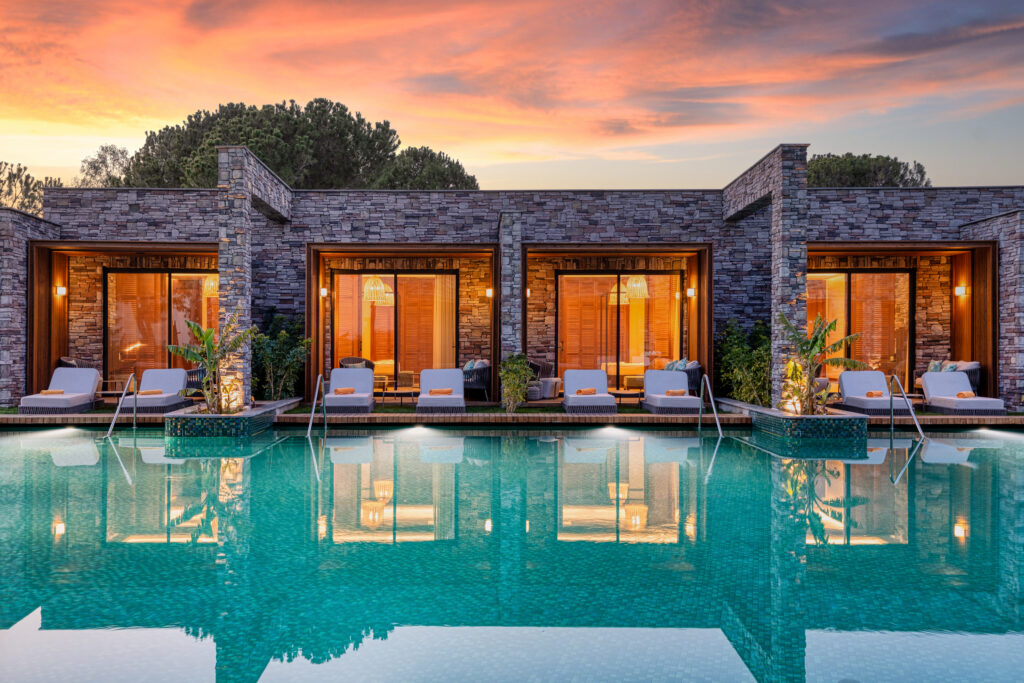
(510, 279)
(789, 252)
(234, 259)
(17, 229)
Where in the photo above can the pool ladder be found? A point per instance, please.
(320, 389)
(135, 407)
(892, 407)
(705, 382)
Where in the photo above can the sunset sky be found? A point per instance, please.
(539, 94)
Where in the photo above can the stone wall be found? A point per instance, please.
(474, 278)
(85, 294)
(133, 214)
(542, 304)
(17, 229)
(887, 214)
(1008, 230)
(932, 305)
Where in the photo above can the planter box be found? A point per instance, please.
(242, 425)
(837, 424)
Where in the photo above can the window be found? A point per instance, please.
(623, 324)
(146, 311)
(423, 308)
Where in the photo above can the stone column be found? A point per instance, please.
(234, 254)
(510, 279)
(789, 252)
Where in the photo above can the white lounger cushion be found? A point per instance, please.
(450, 378)
(587, 379)
(360, 379)
(857, 384)
(79, 385)
(941, 388)
(663, 401)
(875, 403)
(657, 382)
(169, 381)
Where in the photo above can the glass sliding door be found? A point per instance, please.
(146, 311)
(876, 306)
(623, 324)
(137, 338)
(826, 296)
(370, 307)
(880, 314)
(194, 297)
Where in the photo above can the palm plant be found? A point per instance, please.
(212, 350)
(810, 352)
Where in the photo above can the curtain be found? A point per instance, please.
(444, 321)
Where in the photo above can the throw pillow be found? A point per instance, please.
(935, 366)
(470, 364)
(680, 365)
(671, 365)
(950, 368)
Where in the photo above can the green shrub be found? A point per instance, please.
(515, 374)
(744, 360)
(278, 356)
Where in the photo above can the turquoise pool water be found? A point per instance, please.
(422, 554)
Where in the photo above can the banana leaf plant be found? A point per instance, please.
(810, 351)
(214, 348)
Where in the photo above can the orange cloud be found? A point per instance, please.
(493, 82)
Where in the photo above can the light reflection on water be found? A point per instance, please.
(431, 554)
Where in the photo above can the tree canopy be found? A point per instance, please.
(20, 190)
(864, 170)
(321, 145)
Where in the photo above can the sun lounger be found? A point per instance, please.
(586, 451)
(940, 395)
(953, 451)
(854, 386)
(169, 383)
(78, 388)
(670, 448)
(442, 451)
(448, 397)
(600, 402)
(350, 450)
(656, 399)
(359, 400)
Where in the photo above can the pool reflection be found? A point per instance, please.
(306, 549)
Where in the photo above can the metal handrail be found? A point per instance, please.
(135, 410)
(312, 410)
(705, 382)
(910, 407)
(910, 456)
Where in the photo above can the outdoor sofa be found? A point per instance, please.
(854, 386)
(159, 391)
(658, 400)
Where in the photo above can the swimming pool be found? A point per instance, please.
(425, 554)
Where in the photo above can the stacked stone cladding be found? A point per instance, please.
(17, 230)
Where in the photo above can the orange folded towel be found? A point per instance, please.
(589, 391)
(965, 394)
(440, 392)
(341, 391)
(150, 392)
(874, 394)
(676, 392)
(51, 392)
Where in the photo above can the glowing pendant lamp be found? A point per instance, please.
(636, 287)
(374, 291)
(617, 297)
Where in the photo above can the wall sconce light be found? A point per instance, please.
(59, 529)
(960, 530)
(61, 290)
(960, 290)
(527, 292)
(490, 293)
(323, 292)
(691, 292)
